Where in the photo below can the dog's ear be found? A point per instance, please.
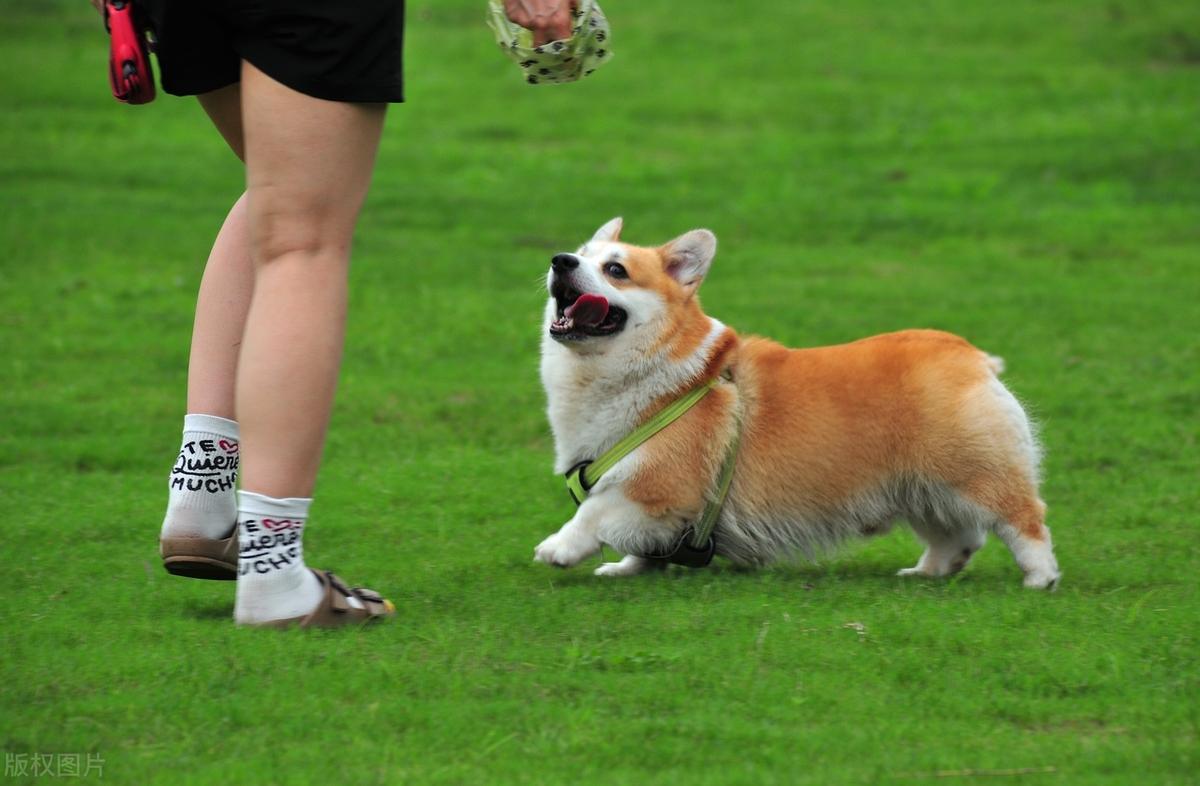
(609, 233)
(688, 257)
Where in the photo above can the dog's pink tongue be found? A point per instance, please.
(588, 310)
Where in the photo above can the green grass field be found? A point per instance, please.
(1026, 174)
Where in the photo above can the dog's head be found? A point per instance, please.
(612, 294)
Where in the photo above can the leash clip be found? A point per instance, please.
(577, 485)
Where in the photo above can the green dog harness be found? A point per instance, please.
(696, 546)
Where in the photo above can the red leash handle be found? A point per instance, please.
(129, 71)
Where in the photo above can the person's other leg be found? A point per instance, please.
(227, 284)
(201, 504)
(308, 165)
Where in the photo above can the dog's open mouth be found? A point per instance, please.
(582, 314)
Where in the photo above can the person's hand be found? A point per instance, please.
(99, 6)
(550, 20)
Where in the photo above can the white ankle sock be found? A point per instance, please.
(273, 581)
(201, 500)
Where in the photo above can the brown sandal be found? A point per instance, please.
(334, 610)
(201, 558)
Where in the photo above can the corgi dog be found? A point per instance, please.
(833, 442)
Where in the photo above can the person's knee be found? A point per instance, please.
(290, 225)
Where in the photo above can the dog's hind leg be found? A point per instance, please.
(1022, 527)
(1020, 522)
(1009, 490)
(946, 553)
(951, 527)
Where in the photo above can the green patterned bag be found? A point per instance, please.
(558, 61)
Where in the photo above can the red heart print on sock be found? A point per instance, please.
(227, 446)
(277, 524)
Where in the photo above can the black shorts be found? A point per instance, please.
(339, 50)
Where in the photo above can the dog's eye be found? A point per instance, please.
(614, 270)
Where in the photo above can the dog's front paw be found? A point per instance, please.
(628, 566)
(564, 549)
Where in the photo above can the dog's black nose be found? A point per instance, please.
(564, 262)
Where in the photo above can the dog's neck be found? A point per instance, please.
(595, 400)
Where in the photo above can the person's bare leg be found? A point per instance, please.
(308, 165)
(201, 505)
(221, 309)
(226, 287)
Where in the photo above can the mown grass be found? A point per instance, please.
(1024, 174)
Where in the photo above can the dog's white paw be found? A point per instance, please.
(911, 572)
(628, 566)
(564, 549)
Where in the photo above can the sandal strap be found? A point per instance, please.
(372, 601)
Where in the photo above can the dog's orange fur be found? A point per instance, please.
(687, 326)
(826, 424)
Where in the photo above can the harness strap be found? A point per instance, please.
(696, 545)
(584, 475)
(703, 528)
